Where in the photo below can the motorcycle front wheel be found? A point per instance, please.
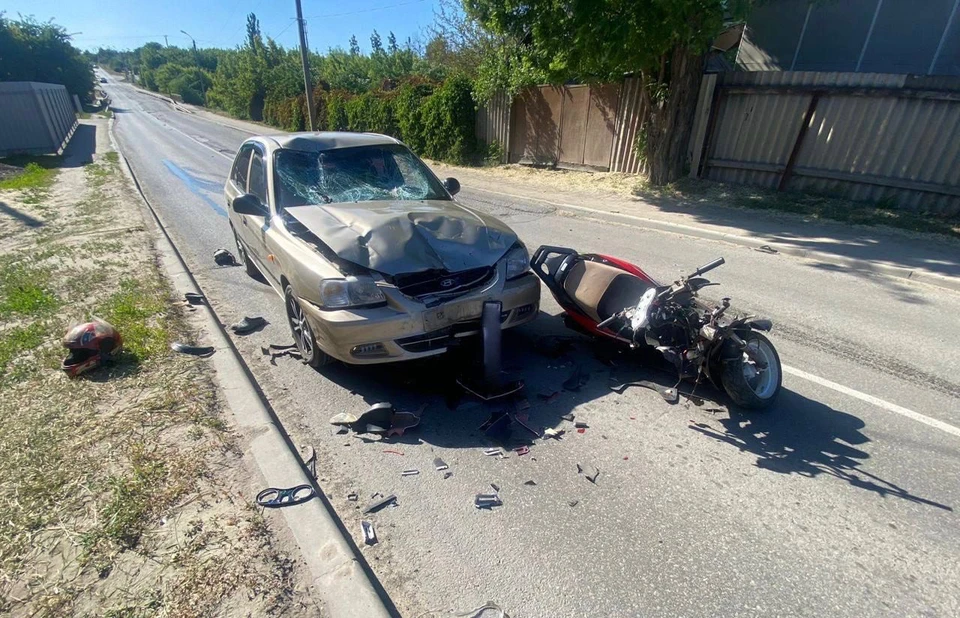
(749, 385)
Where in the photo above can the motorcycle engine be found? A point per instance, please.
(669, 327)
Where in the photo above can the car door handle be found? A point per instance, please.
(243, 220)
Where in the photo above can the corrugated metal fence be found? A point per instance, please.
(865, 136)
(36, 118)
(493, 123)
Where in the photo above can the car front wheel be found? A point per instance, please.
(302, 333)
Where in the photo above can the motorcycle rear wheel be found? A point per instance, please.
(747, 385)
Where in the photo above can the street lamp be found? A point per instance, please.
(196, 60)
(192, 39)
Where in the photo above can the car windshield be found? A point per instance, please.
(361, 174)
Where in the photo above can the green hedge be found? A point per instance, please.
(435, 120)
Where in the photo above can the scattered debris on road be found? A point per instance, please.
(309, 457)
(521, 450)
(193, 350)
(567, 417)
(440, 464)
(531, 482)
(410, 472)
(556, 434)
(276, 351)
(766, 249)
(273, 497)
(353, 496)
(192, 298)
(581, 425)
(224, 258)
(670, 395)
(379, 418)
(573, 502)
(487, 501)
(590, 477)
(493, 452)
(248, 325)
(479, 611)
(578, 378)
(373, 507)
(369, 532)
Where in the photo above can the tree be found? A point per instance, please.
(354, 46)
(376, 45)
(392, 43)
(41, 52)
(663, 42)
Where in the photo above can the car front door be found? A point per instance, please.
(253, 226)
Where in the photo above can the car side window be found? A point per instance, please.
(258, 178)
(239, 173)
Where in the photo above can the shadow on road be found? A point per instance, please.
(806, 437)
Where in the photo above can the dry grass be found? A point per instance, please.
(124, 491)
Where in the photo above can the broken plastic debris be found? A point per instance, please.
(192, 350)
(577, 379)
(224, 258)
(373, 507)
(369, 532)
(486, 501)
(352, 496)
(581, 425)
(447, 475)
(573, 502)
(343, 418)
(669, 395)
(548, 396)
(492, 452)
(440, 464)
(309, 457)
(411, 472)
(248, 325)
(530, 482)
(479, 611)
(193, 298)
(550, 432)
(568, 417)
(496, 487)
(275, 351)
(521, 450)
(402, 421)
(766, 249)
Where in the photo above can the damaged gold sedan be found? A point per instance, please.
(374, 259)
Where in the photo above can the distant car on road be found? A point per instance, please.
(375, 260)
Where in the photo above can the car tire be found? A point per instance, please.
(248, 264)
(302, 332)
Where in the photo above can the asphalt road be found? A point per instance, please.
(839, 502)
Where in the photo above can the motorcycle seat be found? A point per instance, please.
(601, 290)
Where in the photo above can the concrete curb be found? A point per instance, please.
(950, 283)
(341, 579)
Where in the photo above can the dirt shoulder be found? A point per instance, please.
(127, 491)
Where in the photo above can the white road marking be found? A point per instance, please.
(876, 401)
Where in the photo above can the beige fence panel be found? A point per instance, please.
(893, 139)
(37, 118)
(624, 157)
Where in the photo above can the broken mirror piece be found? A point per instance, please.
(440, 464)
(369, 532)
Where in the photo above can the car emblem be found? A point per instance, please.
(446, 283)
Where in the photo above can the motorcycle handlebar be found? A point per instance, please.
(706, 268)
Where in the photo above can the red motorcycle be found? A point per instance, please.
(610, 298)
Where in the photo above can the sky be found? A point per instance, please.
(222, 23)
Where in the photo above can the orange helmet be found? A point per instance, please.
(90, 345)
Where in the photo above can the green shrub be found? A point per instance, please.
(449, 122)
(336, 112)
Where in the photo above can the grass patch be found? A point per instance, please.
(24, 290)
(33, 176)
(15, 342)
(139, 311)
(699, 191)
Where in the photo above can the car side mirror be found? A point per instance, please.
(248, 204)
(452, 185)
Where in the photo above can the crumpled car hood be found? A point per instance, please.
(399, 237)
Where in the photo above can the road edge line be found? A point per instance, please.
(898, 272)
(343, 580)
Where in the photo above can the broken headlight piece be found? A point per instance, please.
(351, 292)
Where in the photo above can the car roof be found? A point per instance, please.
(319, 141)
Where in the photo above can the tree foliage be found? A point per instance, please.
(33, 51)
(663, 42)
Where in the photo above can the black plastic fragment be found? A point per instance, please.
(192, 350)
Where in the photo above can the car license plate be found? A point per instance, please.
(446, 315)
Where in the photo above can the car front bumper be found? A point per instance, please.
(406, 329)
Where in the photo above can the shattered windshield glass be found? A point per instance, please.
(361, 174)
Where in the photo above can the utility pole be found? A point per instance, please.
(305, 61)
(165, 44)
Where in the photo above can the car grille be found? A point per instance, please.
(443, 283)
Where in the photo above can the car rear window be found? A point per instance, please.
(360, 174)
(240, 167)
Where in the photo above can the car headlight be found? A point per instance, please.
(351, 292)
(518, 261)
